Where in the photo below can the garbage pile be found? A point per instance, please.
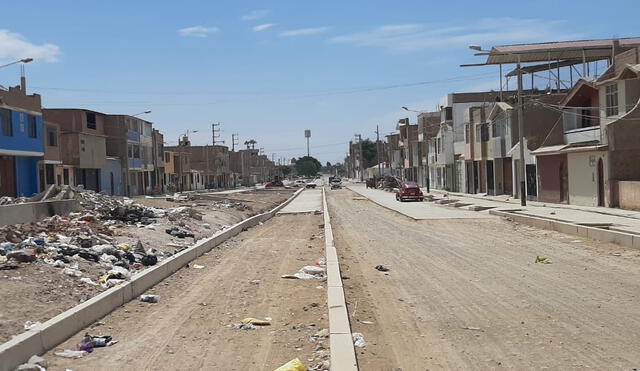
(67, 242)
(6, 200)
(388, 183)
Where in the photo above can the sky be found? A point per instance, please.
(268, 70)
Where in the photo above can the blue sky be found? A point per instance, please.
(269, 70)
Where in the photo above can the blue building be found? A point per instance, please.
(111, 178)
(21, 142)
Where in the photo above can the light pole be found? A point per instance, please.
(24, 60)
(140, 113)
(523, 184)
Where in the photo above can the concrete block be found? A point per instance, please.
(600, 234)
(97, 307)
(566, 228)
(343, 356)
(19, 349)
(59, 328)
(127, 292)
(332, 254)
(142, 282)
(582, 231)
(333, 275)
(636, 242)
(339, 319)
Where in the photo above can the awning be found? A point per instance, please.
(10, 152)
(597, 147)
(548, 150)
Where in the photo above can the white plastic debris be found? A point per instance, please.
(149, 298)
(88, 281)
(72, 272)
(68, 353)
(358, 340)
(196, 266)
(29, 325)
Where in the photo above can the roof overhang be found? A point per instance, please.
(10, 152)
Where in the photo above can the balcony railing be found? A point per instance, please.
(589, 134)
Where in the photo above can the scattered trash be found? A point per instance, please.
(88, 281)
(616, 254)
(149, 298)
(177, 232)
(472, 328)
(22, 256)
(576, 241)
(308, 272)
(68, 353)
(196, 266)
(367, 322)
(358, 340)
(243, 326)
(254, 282)
(35, 363)
(29, 325)
(322, 333)
(293, 365)
(543, 260)
(382, 268)
(256, 322)
(72, 272)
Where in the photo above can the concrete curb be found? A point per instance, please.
(59, 328)
(343, 355)
(604, 235)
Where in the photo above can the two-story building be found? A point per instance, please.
(51, 166)
(21, 141)
(82, 135)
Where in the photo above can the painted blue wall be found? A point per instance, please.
(112, 166)
(20, 140)
(26, 176)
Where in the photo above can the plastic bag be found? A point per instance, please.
(293, 365)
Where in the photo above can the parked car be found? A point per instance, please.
(275, 183)
(299, 183)
(310, 185)
(409, 191)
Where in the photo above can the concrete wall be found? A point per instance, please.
(34, 211)
(629, 195)
(92, 153)
(583, 177)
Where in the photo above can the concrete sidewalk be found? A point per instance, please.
(415, 210)
(309, 201)
(614, 220)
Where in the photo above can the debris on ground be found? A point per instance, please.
(543, 260)
(68, 353)
(196, 266)
(358, 340)
(149, 298)
(257, 322)
(29, 325)
(472, 328)
(308, 272)
(35, 363)
(293, 365)
(382, 268)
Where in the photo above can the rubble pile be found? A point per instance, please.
(6, 200)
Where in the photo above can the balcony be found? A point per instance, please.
(133, 136)
(582, 135)
(136, 163)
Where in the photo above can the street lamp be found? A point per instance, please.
(140, 113)
(24, 60)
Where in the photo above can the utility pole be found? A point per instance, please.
(523, 186)
(360, 159)
(215, 132)
(378, 149)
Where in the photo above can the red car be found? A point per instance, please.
(409, 191)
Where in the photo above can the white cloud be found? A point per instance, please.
(485, 32)
(305, 31)
(256, 14)
(263, 27)
(14, 46)
(197, 31)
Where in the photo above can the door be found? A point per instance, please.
(65, 175)
(490, 184)
(111, 183)
(507, 175)
(600, 183)
(564, 181)
(7, 176)
(532, 182)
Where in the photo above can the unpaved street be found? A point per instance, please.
(187, 329)
(466, 294)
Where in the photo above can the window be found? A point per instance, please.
(91, 120)
(33, 127)
(467, 133)
(611, 95)
(5, 122)
(484, 131)
(136, 151)
(130, 151)
(167, 157)
(52, 137)
(585, 118)
(48, 170)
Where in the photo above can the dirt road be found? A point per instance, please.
(187, 329)
(466, 294)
